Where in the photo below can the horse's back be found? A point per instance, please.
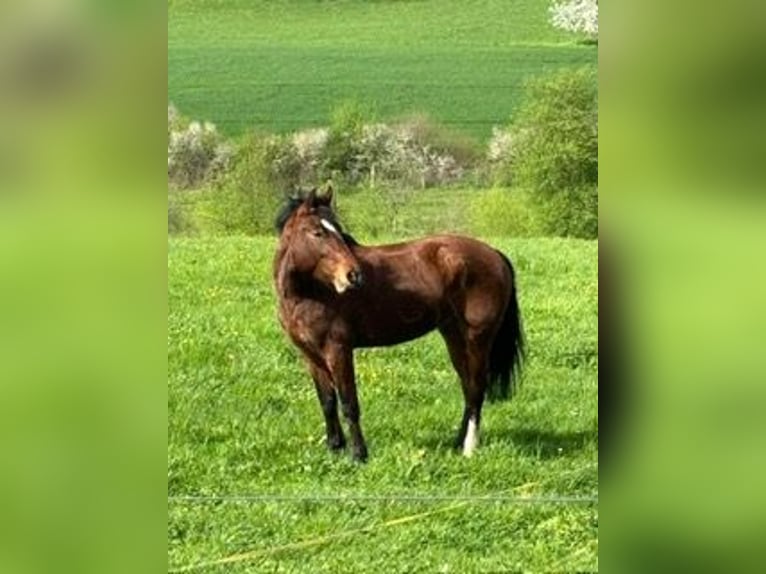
(466, 262)
(449, 260)
(416, 285)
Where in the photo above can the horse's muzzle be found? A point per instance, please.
(345, 280)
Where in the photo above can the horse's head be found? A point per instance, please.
(315, 243)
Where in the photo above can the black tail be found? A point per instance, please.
(507, 352)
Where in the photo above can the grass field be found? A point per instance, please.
(282, 66)
(244, 420)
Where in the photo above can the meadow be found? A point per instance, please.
(251, 487)
(284, 66)
(243, 420)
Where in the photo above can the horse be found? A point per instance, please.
(336, 295)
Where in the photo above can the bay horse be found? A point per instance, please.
(336, 295)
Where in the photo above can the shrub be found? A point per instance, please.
(500, 159)
(197, 153)
(500, 211)
(380, 155)
(264, 168)
(178, 219)
(404, 155)
(555, 133)
(310, 149)
(414, 153)
(341, 149)
(571, 212)
(576, 16)
(176, 122)
(555, 150)
(424, 150)
(444, 142)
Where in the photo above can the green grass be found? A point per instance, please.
(243, 419)
(282, 66)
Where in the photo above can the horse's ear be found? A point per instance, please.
(311, 198)
(328, 193)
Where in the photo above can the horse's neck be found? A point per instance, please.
(290, 282)
(283, 277)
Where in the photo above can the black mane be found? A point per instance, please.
(293, 202)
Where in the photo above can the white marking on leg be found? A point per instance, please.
(329, 226)
(471, 437)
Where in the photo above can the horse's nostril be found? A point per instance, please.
(354, 278)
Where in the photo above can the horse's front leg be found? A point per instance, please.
(329, 402)
(340, 360)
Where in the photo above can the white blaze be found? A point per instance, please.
(329, 226)
(340, 282)
(471, 437)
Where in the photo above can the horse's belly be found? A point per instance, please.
(396, 326)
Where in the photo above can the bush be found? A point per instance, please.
(431, 154)
(263, 170)
(176, 122)
(555, 150)
(576, 16)
(571, 212)
(501, 211)
(427, 133)
(500, 158)
(178, 219)
(341, 150)
(197, 153)
(414, 153)
(310, 150)
(387, 156)
(555, 133)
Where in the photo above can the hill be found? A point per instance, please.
(283, 66)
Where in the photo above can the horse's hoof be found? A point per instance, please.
(359, 454)
(336, 443)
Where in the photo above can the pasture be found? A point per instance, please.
(245, 431)
(243, 419)
(283, 66)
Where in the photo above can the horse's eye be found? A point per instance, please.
(318, 232)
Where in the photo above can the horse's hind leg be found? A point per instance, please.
(329, 402)
(471, 361)
(477, 352)
(456, 346)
